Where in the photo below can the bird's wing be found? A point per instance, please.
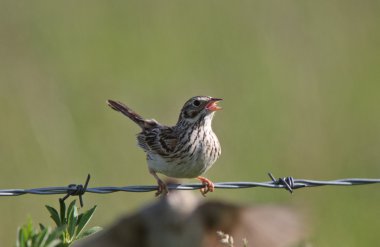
(162, 140)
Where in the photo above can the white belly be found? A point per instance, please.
(185, 167)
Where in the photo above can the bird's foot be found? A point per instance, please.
(209, 186)
(162, 188)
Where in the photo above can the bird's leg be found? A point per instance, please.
(162, 187)
(209, 186)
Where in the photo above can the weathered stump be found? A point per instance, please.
(182, 219)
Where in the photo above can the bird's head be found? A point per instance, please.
(198, 108)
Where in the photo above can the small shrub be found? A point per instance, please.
(70, 226)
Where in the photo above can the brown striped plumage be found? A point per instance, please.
(186, 150)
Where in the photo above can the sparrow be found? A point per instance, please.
(185, 150)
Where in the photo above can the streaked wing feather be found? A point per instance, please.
(158, 140)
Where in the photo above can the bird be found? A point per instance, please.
(186, 150)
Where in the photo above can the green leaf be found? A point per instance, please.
(54, 215)
(80, 217)
(84, 219)
(53, 243)
(62, 210)
(25, 233)
(41, 238)
(19, 241)
(41, 226)
(28, 229)
(89, 232)
(70, 208)
(55, 235)
(72, 221)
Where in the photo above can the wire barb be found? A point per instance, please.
(77, 190)
(286, 182)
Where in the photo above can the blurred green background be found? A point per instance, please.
(300, 79)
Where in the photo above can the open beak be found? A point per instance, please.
(212, 104)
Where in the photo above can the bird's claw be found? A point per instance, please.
(208, 186)
(162, 189)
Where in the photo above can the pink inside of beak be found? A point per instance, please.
(212, 106)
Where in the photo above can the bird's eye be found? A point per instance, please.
(196, 103)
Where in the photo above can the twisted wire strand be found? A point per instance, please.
(285, 183)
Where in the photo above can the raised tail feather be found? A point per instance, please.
(120, 107)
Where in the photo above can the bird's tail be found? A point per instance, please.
(120, 107)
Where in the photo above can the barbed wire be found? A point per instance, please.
(288, 183)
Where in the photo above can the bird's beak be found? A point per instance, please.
(212, 104)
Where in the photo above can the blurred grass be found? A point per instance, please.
(300, 81)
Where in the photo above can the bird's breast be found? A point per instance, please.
(198, 153)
